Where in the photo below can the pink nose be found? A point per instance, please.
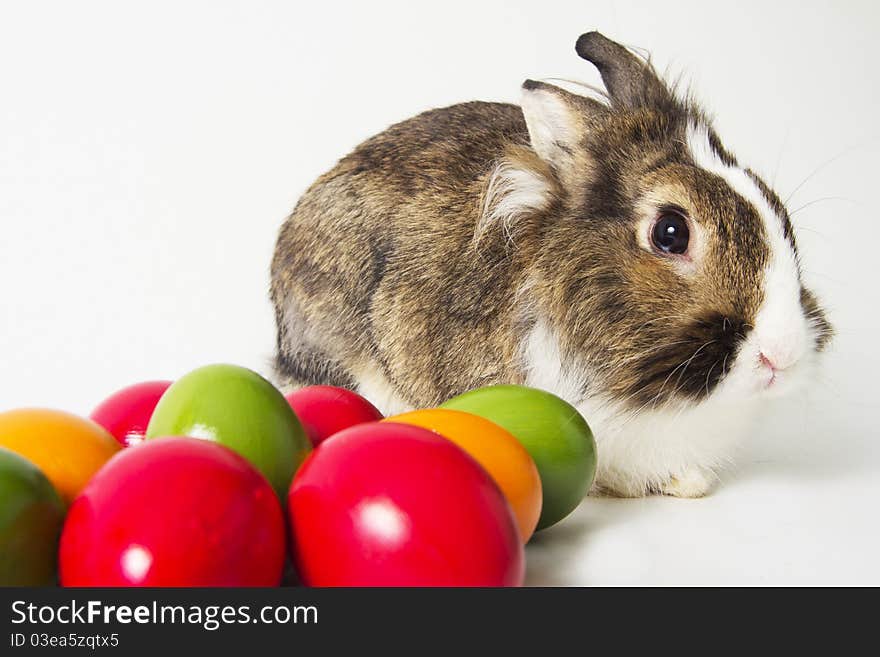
(766, 361)
(771, 365)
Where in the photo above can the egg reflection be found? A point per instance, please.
(136, 562)
(381, 519)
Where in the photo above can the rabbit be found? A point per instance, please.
(605, 247)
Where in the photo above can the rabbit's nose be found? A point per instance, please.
(779, 359)
(769, 366)
(775, 361)
(768, 362)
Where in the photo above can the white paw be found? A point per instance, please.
(691, 483)
(373, 385)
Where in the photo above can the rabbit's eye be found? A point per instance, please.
(670, 233)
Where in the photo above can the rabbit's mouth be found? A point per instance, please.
(770, 369)
(774, 382)
(722, 355)
(688, 365)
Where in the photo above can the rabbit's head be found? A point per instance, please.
(664, 267)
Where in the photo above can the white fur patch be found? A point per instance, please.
(552, 124)
(545, 368)
(512, 193)
(647, 449)
(373, 385)
(781, 331)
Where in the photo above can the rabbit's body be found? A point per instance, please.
(376, 278)
(486, 243)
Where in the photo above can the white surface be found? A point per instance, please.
(148, 156)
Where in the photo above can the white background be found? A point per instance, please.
(148, 155)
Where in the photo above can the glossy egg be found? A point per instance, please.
(31, 513)
(127, 412)
(553, 432)
(68, 449)
(324, 410)
(497, 450)
(238, 408)
(174, 512)
(386, 504)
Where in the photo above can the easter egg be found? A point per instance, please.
(68, 449)
(126, 413)
(497, 450)
(238, 408)
(324, 410)
(31, 513)
(174, 512)
(386, 504)
(552, 431)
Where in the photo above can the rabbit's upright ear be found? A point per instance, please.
(631, 81)
(558, 122)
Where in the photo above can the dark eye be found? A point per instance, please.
(670, 233)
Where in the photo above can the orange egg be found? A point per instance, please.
(68, 449)
(497, 450)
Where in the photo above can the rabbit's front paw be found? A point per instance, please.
(691, 483)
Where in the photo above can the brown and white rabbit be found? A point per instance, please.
(608, 249)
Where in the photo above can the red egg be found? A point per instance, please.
(126, 413)
(324, 410)
(174, 512)
(397, 505)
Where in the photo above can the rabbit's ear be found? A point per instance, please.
(558, 122)
(630, 80)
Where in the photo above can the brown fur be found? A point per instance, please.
(378, 254)
(385, 264)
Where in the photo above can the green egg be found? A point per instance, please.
(552, 431)
(31, 516)
(236, 407)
